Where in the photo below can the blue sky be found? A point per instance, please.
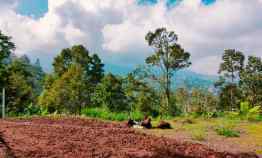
(116, 29)
(171, 2)
(37, 8)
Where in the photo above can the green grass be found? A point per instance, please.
(105, 114)
(199, 135)
(226, 126)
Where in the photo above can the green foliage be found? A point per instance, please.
(75, 79)
(110, 93)
(229, 97)
(6, 47)
(244, 108)
(248, 112)
(227, 132)
(136, 115)
(140, 95)
(232, 65)
(68, 93)
(78, 54)
(105, 114)
(227, 128)
(230, 69)
(32, 109)
(78, 85)
(19, 93)
(251, 80)
(23, 83)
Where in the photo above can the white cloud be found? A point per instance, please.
(116, 28)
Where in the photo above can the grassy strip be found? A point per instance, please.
(105, 114)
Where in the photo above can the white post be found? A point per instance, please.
(3, 103)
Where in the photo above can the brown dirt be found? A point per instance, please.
(84, 138)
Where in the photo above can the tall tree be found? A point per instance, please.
(110, 93)
(6, 47)
(70, 56)
(97, 69)
(76, 75)
(232, 65)
(78, 54)
(19, 87)
(169, 56)
(251, 80)
(230, 69)
(20, 93)
(68, 93)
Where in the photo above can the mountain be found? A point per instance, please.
(190, 79)
(182, 78)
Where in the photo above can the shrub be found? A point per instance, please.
(227, 132)
(248, 112)
(244, 108)
(32, 110)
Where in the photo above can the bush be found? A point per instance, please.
(248, 112)
(32, 110)
(227, 132)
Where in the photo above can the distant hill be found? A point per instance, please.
(190, 79)
(183, 78)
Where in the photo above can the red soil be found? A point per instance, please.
(84, 138)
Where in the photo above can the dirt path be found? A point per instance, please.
(84, 138)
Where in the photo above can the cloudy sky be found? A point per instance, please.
(115, 29)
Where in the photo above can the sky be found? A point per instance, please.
(116, 29)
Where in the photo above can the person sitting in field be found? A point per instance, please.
(131, 123)
(164, 125)
(146, 123)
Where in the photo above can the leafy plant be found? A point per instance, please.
(227, 128)
(248, 112)
(227, 132)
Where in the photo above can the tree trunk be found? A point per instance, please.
(167, 91)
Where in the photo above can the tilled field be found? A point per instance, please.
(84, 138)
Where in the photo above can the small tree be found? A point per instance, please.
(169, 57)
